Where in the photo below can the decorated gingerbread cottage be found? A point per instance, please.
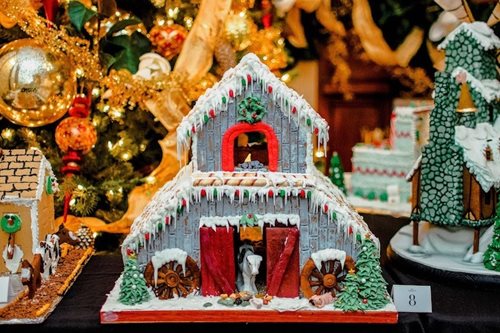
(250, 186)
(27, 184)
(456, 180)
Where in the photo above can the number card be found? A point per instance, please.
(408, 298)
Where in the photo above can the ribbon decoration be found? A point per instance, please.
(373, 41)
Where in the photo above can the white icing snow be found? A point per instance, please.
(162, 257)
(480, 31)
(489, 89)
(234, 221)
(13, 264)
(326, 255)
(250, 64)
(197, 302)
(474, 142)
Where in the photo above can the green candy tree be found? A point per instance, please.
(372, 286)
(492, 254)
(349, 299)
(133, 289)
(336, 172)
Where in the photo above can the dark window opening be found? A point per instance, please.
(251, 152)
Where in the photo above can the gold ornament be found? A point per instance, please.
(76, 133)
(270, 47)
(238, 29)
(201, 86)
(36, 87)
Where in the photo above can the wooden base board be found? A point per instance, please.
(235, 316)
(46, 309)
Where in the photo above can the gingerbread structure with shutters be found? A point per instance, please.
(249, 216)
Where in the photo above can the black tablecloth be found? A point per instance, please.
(456, 308)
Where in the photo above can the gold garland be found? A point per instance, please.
(56, 40)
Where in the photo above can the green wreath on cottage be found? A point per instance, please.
(251, 110)
(10, 223)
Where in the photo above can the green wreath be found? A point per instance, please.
(251, 110)
(10, 223)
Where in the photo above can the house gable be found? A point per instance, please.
(292, 119)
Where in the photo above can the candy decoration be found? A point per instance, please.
(249, 78)
(10, 223)
(231, 93)
(270, 193)
(308, 122)
(294, 110)
(203, 193)
(167, 220)
(211, 113)
(269, 89)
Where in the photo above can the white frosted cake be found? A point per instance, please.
(379, 172)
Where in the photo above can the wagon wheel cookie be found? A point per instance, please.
(171, 280)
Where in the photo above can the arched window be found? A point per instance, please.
(250, 147)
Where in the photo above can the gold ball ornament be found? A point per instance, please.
(238, 29)
(36, 87)
(168, 40)
(76, 133)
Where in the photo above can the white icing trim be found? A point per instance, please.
(480, 31)
(34, 226)
(489, 89)
(234, 221)
(162, 257)
(414, 168)
(326, 255)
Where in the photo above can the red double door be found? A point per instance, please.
(218, 271)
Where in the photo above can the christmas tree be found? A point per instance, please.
(336, 172)
(349, 299)
(123, 53)
(372, 286)
(133, 289)
(492, 254)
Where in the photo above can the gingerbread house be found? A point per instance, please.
(250, 184)
(26, 205)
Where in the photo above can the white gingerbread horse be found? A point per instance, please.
(248, 264)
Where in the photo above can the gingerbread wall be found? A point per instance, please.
(316, 233)
(44, 208)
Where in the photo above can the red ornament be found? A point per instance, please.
(203, 193)
(249, 78)
(365, 301)
(294, 110)
(50, 8)
(302, 194)
(269, 89)
(270, 193)
(231, 93)
(267, 20)
(76, 133)
(168, 40)
(211, 113)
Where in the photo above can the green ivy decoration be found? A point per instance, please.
(248, 220)
(251, 110)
